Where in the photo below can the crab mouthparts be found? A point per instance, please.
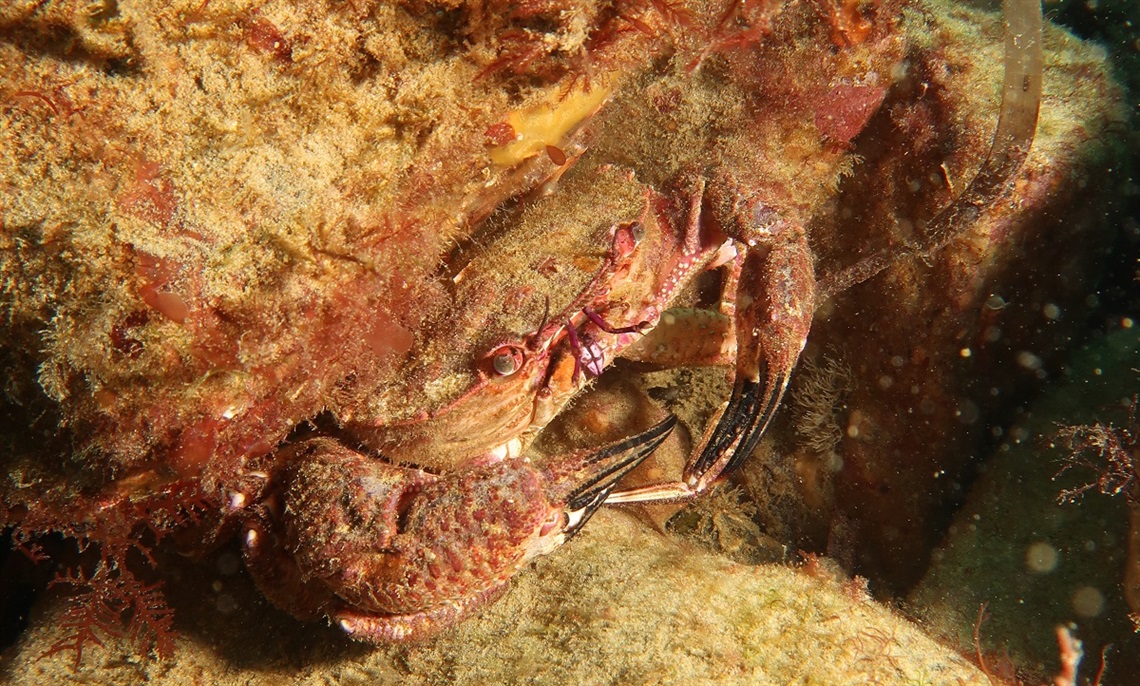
(510, 449)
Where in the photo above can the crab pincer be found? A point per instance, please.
(772, 318)
(767, 306)
(394, 553)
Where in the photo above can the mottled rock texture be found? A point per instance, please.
(620, 605)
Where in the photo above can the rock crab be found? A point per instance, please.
(402, 546)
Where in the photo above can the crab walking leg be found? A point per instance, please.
(774, 308)
(686, 337)
(772, 317)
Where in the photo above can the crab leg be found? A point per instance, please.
(771, 329)
(690, 337)
(376, 628)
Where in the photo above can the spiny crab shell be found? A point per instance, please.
(232, 227)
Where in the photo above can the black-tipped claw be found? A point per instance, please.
(740, 427)
(771, 328)
(593, 477)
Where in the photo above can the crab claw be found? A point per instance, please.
(485, 527)
(393, 553)
(773, 316)
(585, 483)
(772, 298)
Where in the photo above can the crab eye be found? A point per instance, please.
(626, 237)
(506, 360)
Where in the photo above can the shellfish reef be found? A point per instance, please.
(415, 322)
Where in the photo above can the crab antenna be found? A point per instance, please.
(533, 341)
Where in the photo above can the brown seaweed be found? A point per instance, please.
(1017, 125)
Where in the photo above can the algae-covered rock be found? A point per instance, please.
(621, 604)
(939, 350)
(229, 225)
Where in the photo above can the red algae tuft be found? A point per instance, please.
(844, 112)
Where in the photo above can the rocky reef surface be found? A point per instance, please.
(191, 231)
(620, 605)
(1033, 559)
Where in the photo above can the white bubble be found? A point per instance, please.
(1041, 558)
(995, 302)
(1088, 601)
(1029, 360)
